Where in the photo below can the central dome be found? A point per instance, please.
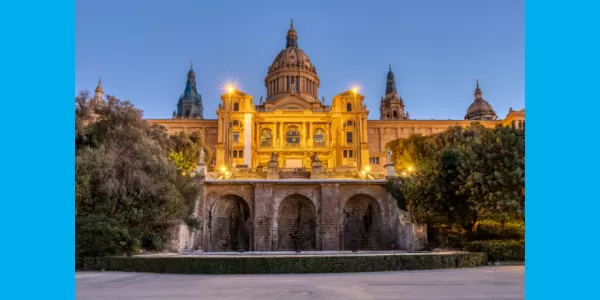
(292, 73)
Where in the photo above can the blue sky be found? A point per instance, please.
(437, 48)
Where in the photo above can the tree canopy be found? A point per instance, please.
(463, 174)
(125, 171)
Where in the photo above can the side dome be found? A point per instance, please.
(480, 109)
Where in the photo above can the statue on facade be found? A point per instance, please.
(261, 100)
(388, 155)
(314, 157)
(201, 158)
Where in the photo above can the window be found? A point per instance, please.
(348, 153)
(236, 137)
(319, 138)
(345, 153)
(349, 137)
(292, 136)
(374, 160)
(236, 106)
(349, 124)
(513, 124)
(348, 107)
(238, 153)
(266, 138)
(395, 113)
(236, 123)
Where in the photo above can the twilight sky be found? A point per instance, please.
(437, 48)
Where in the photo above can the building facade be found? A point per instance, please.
(293, 123)
(291, 173)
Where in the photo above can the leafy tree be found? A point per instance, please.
(123, 171)
(185, 151)
(462, 174)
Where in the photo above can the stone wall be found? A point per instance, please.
(271, 215)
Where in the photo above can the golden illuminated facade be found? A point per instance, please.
(292, 125)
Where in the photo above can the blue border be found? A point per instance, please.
(563, 106)
(37, 66)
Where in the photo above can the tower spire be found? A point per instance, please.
(292, 36)
(99, 90)
(478, 93)
(390, 85)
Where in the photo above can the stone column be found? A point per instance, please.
(263, 216)
(330, 217)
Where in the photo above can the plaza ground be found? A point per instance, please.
(498, 283)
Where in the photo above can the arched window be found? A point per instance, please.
(319, 138)
(236, 106)
(266, 138)
(292, 137)
(236, 123)
(387, 116)
(348, 107)
(395, 113)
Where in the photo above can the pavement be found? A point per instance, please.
(496, 282)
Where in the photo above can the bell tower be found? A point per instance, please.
(392, 105)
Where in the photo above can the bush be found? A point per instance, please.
(499, 250)
(282, 265)
(492, 230)
(98, 235)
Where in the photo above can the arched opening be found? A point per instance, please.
(362, 224)
(296, 224)
(236, 106)
(231, 224)
(348, 107)
(395, 113)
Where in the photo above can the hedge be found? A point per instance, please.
(499, 250)
(282, 265)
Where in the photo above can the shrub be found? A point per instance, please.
(499, 250)
(99, 235)
(492, 230)
(281, 265)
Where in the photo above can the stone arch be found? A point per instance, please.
(362, 226)
(231, 224)
(296, 224)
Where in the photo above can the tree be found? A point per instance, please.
(185, 151)
(462, 174)
(123, 172)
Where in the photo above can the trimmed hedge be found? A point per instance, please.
(283, 265)
(499, 250)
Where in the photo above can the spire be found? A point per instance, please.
(478, 93)
(390, 86)
(99, 90)
(292, 36)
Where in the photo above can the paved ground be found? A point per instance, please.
(498, 283)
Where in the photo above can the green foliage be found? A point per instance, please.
(462, 174)
(499, 250)
(185, 151)
(282, 265)
(193, 223)
(99, 235)
(493, 230)
(123, 172)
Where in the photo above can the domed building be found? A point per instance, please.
(295, 173)
(480, 109)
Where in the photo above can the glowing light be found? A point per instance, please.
(227, 173)
(355, 89)
(403, 173)
(230, 89)
(223, 169)
(368, 168)
(410, 168)
(363, 173)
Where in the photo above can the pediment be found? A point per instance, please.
(292, 102)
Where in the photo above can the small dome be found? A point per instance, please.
(480, 109)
